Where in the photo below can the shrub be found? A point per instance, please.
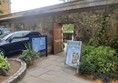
(27, 55)
(86, 68)
(4, 63)
(101, 59)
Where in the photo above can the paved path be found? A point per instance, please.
(52, 69)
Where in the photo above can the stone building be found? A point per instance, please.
(5, 7)
(49, 20)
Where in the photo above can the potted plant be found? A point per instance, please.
(28, 55)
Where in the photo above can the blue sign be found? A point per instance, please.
(73, 53)
(39, 43)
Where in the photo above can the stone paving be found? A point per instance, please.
(52, 69)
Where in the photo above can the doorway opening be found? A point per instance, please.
(61, 34)
(68, 32)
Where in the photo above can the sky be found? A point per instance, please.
(22, 5)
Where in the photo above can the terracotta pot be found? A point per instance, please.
(31, 62)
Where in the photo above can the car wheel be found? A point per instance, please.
(2, 51)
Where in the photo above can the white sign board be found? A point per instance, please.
(73, 53)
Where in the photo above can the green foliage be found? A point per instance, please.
(99, 28)
(101, 59)
(28, 54)
(1, 11)
(4, 63)
(68, 28)
(113, 42)
(101, 35)
(86, 68)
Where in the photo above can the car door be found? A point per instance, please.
(16, 42)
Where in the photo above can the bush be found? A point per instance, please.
(100, 59)
(86, 68)
(28, 55)
(4, 63)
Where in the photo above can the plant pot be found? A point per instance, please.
(31, 62)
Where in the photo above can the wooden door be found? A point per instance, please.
(57, 38)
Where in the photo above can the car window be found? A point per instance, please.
(13, 36)
(7, 36)
(17, 35)
(25, 33)
(3, 35)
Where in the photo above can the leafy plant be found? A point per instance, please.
(101, 59)
(86, 68)
(28, 55)
(99, 29)
(67, 28)
(4, 63)
(102, 35)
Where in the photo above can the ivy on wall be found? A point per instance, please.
(99, 29)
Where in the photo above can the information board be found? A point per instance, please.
(39, 43)
(73, 53)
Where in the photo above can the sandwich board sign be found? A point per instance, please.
(73, 53)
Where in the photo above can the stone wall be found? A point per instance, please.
(79, 17)
(36, 23)
(87, 21)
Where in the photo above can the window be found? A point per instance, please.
(17, 35)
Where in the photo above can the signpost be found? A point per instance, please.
(39, 44)
(73, 53)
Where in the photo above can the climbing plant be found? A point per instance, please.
(100, 29)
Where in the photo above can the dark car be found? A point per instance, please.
(15, 41)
